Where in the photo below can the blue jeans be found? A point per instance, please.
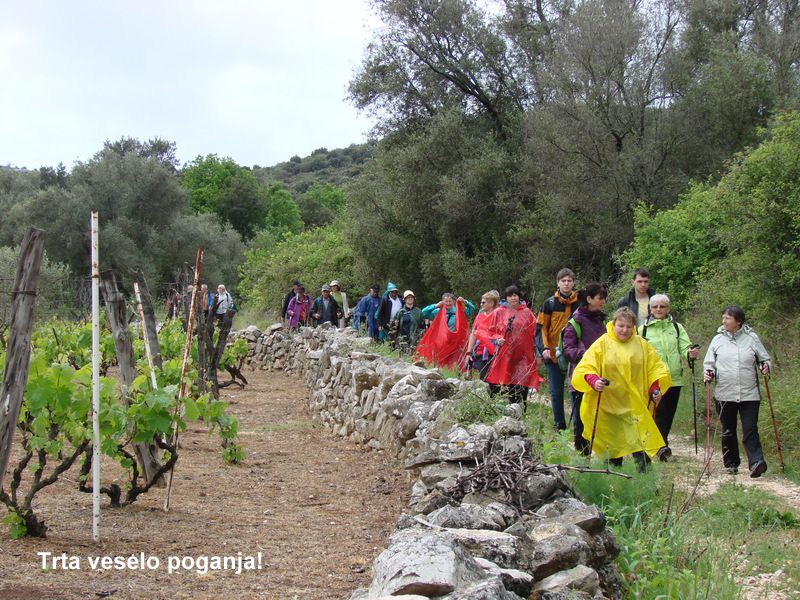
(555, 379)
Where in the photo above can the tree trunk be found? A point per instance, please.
(222, 341)
(118, 320)
(18, 354)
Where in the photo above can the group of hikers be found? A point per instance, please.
(217, 308)
(624, 373)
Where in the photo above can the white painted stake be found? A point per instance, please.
(145, 335)
(95, 381)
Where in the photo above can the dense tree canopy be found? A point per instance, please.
(520, 139)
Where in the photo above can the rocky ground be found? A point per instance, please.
(318, 508)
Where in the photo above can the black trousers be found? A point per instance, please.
(517, 394)
(642, 460)
(581, 444)
(748, 412)
(482, 366)
(665, 412)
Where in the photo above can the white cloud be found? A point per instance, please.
(256, 81)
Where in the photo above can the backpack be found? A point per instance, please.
(563, 364)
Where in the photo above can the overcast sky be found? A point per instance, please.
(258, 81)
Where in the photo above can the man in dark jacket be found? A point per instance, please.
(325, 309)
(288, 297)
(387, 309)
(638, 298)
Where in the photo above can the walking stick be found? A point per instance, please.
(708, 428)
(694, 404)
(596, 413)
(774, 422)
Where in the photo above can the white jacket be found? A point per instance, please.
(734, 359)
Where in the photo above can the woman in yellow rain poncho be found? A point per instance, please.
(625, 373)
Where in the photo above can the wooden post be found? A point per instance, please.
(95, 412)
(117, 311)
(147, 347)
(18, 354)
(186, 353)
(149, 318)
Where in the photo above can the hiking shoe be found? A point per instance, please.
(664, 454)
(732, 470)
(758, 469)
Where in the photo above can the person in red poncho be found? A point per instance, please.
(445, 344)
(512, 329)
(480, 355)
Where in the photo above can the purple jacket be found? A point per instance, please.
(296, 308)
(592, 327)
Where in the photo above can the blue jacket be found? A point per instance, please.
(365, 310)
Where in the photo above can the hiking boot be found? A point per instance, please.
(732, 470)
(664, 454)
(758, 469)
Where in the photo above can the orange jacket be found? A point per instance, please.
(552, 318)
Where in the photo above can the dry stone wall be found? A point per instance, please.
(535, 541)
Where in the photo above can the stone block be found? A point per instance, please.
(422, 562)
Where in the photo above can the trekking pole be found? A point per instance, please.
(596, 413)
(774, 422)
(694, 398)
(708, 427)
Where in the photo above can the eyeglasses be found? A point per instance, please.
(483, 301)
(659, 306)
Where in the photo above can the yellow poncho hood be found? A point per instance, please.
(624, 423)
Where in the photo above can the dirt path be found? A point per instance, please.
(763, 586)
(771, 482)
(319, 509)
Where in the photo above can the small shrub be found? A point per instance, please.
(477, 406)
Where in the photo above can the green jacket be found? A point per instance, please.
(671, 341)
(415, 327)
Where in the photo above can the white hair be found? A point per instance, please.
(660, 298)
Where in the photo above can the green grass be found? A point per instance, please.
(477, 406)
(660, 557)
(762, 529)
(672, 548)
(287, 426)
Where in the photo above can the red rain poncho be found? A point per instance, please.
(515, 361)
(444, 348)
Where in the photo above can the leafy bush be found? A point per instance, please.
(477, 406)
(315, 257)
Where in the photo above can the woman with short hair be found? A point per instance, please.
(299, 308)
(621, 375)
(671, 341)
(512, 329)
(407, 324)
(480, 354)
(732, 361)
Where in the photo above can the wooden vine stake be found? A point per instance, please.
(95, 379)
(184, 367)
(18, 354)
(146, 336)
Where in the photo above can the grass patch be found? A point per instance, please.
(287, 426)
(661, 557)
(762, 531)
(478, 406)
